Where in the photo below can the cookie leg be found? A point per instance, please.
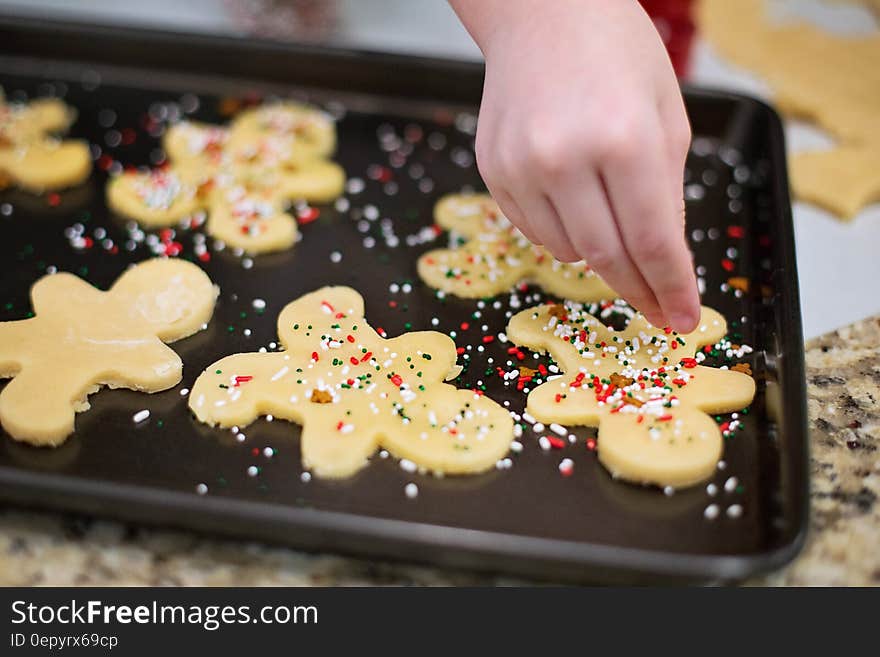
(39, 410)
(334, 447)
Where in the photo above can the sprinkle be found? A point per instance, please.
(411, 490)
(734, 511)
(253, 471)
(140, 416)
(711, 512)
(566, 467)
(305, 477)
(555, 443)
(408, 466)
(558, 429)
(202, 489)
(258, 304)
(731, 484)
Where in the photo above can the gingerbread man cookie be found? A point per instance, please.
(353, 391)
(82, 338)
(642, 386)
(242, 176)
(30, 157)
(496, 256)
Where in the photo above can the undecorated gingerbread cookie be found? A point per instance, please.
(642, 386)
(353, 391)
(82, 338)
(495, 256)
(30, 158)
(243, 176)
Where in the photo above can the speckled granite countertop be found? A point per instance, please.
(843, 375)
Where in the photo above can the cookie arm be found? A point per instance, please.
(13, 336)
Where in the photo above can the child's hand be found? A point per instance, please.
(582, 140)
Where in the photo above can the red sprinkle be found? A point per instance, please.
(315, 356)
(308, 215)
(728, 265)
(735, 231)
(53, 199)
(397, 380)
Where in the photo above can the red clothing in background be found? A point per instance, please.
(674, 21)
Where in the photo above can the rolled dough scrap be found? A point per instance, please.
(82, 338)
(828, 79)
(642, 387)
(30, 158)
(242, 176)
(495, 256)
(353, 391)
(842, 180)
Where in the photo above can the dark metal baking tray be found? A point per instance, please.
(527, 520)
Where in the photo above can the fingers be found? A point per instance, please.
(637, 176)
(487, 145)
(516, 216)
(542, 213)
(676, 137)
(522, 199)
(587, 216)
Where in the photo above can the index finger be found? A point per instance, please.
(639, 187)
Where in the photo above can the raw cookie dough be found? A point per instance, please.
(294, 132)
(242, 176)
(496, 256)
(29, 157)
(82, 338)
(643, 388)
(353, 391)
(825, 78)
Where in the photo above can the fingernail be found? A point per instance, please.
(683, 322)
